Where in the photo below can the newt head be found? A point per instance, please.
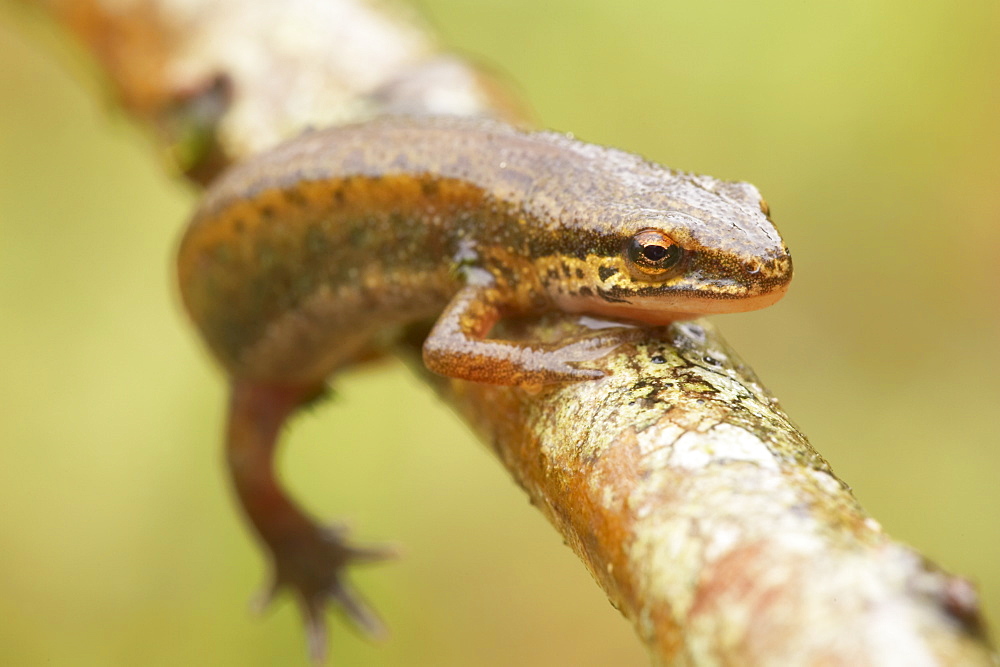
(704, 247)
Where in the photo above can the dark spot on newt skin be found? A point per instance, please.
(586, 291)
(566, 271)
(611, 296)
(429, 188)
(605, 272)
(267, 212)
(295, 198)
(552, 274)
(579, 274)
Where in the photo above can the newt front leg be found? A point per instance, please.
(306, 557)
(457, 347)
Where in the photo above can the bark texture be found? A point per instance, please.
(695, 503)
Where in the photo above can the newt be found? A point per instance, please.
(302, 260)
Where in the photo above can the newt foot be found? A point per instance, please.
(312, 566)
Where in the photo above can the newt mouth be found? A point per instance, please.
(667, 308)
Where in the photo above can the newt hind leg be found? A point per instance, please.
(306, 557)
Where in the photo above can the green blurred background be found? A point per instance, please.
(870, 126)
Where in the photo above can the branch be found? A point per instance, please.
(711, 522)
(705, 515)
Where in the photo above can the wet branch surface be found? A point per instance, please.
(705, 515)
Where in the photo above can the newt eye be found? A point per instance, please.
(652, 255)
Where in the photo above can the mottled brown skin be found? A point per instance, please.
(296, 259)
(299, 261)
